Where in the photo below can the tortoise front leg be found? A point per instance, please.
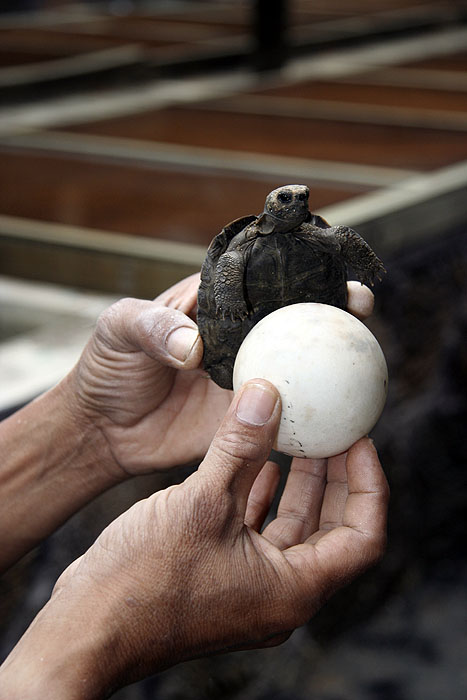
(228, 286)
(358, 254)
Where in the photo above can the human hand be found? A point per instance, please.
(187, 572)
(137, 401)
(139, 380)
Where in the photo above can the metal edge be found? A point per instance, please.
(100, 241)
(202, 159)
(70, 66)
(423, 207)
(389, 219)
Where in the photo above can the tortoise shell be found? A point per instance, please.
(258, 264)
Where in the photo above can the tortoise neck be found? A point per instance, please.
(282, 225)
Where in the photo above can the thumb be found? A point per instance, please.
(164, 334)
(243, 441)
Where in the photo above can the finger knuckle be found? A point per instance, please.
(111, 317)
(239, 446)
(206, 508)
(151, 320)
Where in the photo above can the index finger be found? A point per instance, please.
(299, 507)
(360, 300)
(182, 296)
(342, 553)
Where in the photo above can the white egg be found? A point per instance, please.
(329, 370)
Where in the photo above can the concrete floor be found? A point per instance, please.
(43, 329)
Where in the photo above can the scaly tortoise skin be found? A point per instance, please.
(258, 264)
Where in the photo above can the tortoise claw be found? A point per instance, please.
(234, 314)
(239, 315)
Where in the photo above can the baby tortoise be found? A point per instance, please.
(258, 264)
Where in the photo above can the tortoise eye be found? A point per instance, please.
(284, 197)
(302, 196)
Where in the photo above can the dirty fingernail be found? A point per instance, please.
(256, 404)
(181, 342)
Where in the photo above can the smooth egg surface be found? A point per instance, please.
(329, 370)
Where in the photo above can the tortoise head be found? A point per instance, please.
(286, 208)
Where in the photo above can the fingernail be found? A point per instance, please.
(256, 404)
(181, 342)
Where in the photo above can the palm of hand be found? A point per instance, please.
(168, 420)
(190, 570)
(205, 568)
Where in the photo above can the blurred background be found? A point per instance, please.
(131, 132)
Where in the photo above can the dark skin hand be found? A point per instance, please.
(128, 384)
(136, 402)
(187, 572)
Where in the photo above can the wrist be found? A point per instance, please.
(89, 640)
(53, 463)
(64, 655)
